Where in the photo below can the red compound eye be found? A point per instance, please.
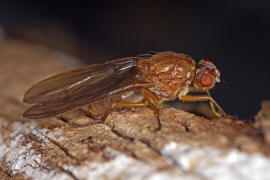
(206, 80)
(208, 60)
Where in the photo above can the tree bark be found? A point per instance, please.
(124, 146)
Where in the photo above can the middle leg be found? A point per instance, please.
(123, 104)
(149, 96)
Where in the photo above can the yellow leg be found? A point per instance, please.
(103, 118)
(123, 104)
(212, 106)
(149, 97)
(191, 98)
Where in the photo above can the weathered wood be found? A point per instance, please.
(58, 148)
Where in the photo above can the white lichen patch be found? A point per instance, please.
(123, 167)
(215, 164)
(21, 158)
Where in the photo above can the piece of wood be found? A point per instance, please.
(124, 146)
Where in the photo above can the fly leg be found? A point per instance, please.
(190, 98)
(91, 116)
(192, 89)
(97, 121)
(212, 106)
(123, 104)
(104, 116)
(149, 96)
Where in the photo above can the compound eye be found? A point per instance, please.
(206, 80)
(207, 60)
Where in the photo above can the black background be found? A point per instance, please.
(234, 34)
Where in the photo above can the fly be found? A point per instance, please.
(128, 82)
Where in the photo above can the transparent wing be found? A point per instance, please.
(79, 87)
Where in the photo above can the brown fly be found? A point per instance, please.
(127, 82)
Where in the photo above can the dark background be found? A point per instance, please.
(234, 34)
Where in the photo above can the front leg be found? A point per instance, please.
(195, 98)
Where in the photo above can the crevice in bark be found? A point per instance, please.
(65, 120)
(148, 144)
(184, 124)
(6, 173)
(119, 134)
(68, 172)
(65, 150)
(88, 114)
